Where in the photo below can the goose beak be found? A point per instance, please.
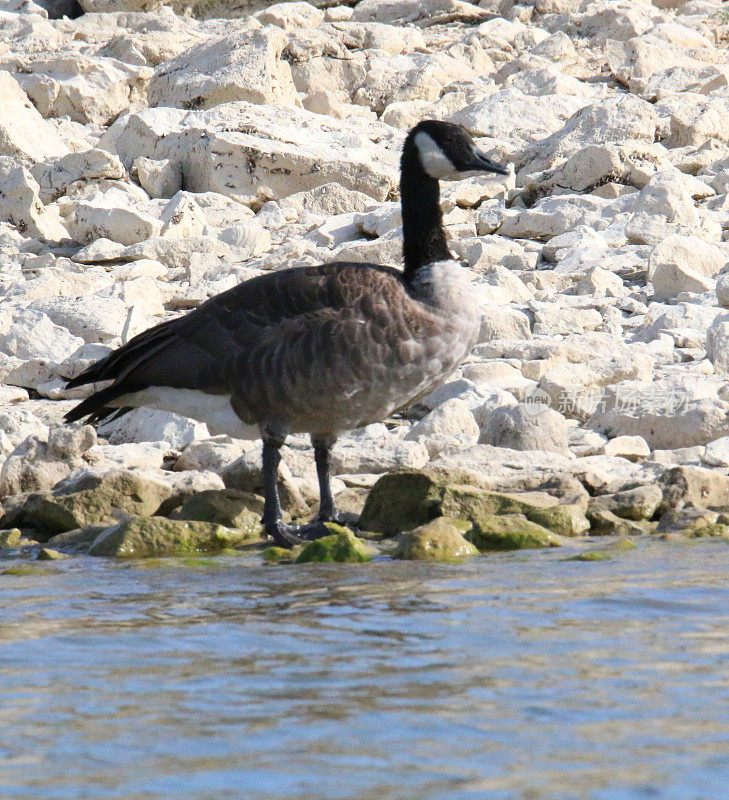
(481, 162)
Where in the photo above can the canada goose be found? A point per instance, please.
(321, 349)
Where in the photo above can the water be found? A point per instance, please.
(513, 676)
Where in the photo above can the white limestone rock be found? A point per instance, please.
(552, 216)
(519, 428)
(151, 425)
(665, 195)
(683, 264)
(328, 199)
(256, 152)
(695, 118)
(716, 453)
(92, 318)
(247, 239)
(498, 376)
(416, 11)
(611, 474)
(20, 203)
(634, 448)
(141, 455)
(615, 119)
(111, 216)
(24, 134)
(413, 76)
(245, 65)
(291, 15)
(215, 454)
(182, 217)
(584, 443)
(717, 344)
(502, 322)
(668, 414)
(600, 282)
(509, 115)
(86, 89)
(159, 178)
(16, 425)
(579, 390)
(661, 320)
(41, 460)
(461, 388)
(722, 290)
(451, 418)
(550, 319)
(33, 335)
(56, 176)
(374, 450)
(498, 466)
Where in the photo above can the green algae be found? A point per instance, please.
(228, 507)
(590, 555)
(402, 501)
(279, 555)
(341, 547)
(141, 537)
(48, 554)
(510, 532)
(23, 570)
(10, 538)
(440, 539)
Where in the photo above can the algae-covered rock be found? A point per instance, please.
(25, 570)
(590, 555)
(279, 555)
(440, 539)
(510, 532)
(693, 522)
(401, 501)
(78, 540)
(10, 538)
(228, 507)
(605, 522)
(636, 504)
(140, 537)
(341, 546)
(404, 500)
(95, 499)
(622, 545)
(49, 554)
(687, 486)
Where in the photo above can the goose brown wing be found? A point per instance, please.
(241, 326)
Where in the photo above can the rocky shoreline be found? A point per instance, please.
(156, 154)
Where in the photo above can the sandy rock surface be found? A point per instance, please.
(154, 153)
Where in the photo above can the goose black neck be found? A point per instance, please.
(424, 239)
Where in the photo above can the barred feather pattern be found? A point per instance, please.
(314, 349)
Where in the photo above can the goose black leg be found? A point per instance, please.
(284, 535)
(322, 456)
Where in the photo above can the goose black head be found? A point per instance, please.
(447, 151)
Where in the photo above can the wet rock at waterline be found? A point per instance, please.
(404, 500)
(342, 546)
(141, 537)
(510, 532)
(157, 152)
(92, 499)
(441, 539)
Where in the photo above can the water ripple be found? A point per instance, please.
(510, 677)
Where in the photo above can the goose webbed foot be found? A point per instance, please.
(293, 535)
(344, 518)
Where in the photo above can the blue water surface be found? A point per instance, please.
(511, 676)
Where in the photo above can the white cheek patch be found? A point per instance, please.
(433, 160)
